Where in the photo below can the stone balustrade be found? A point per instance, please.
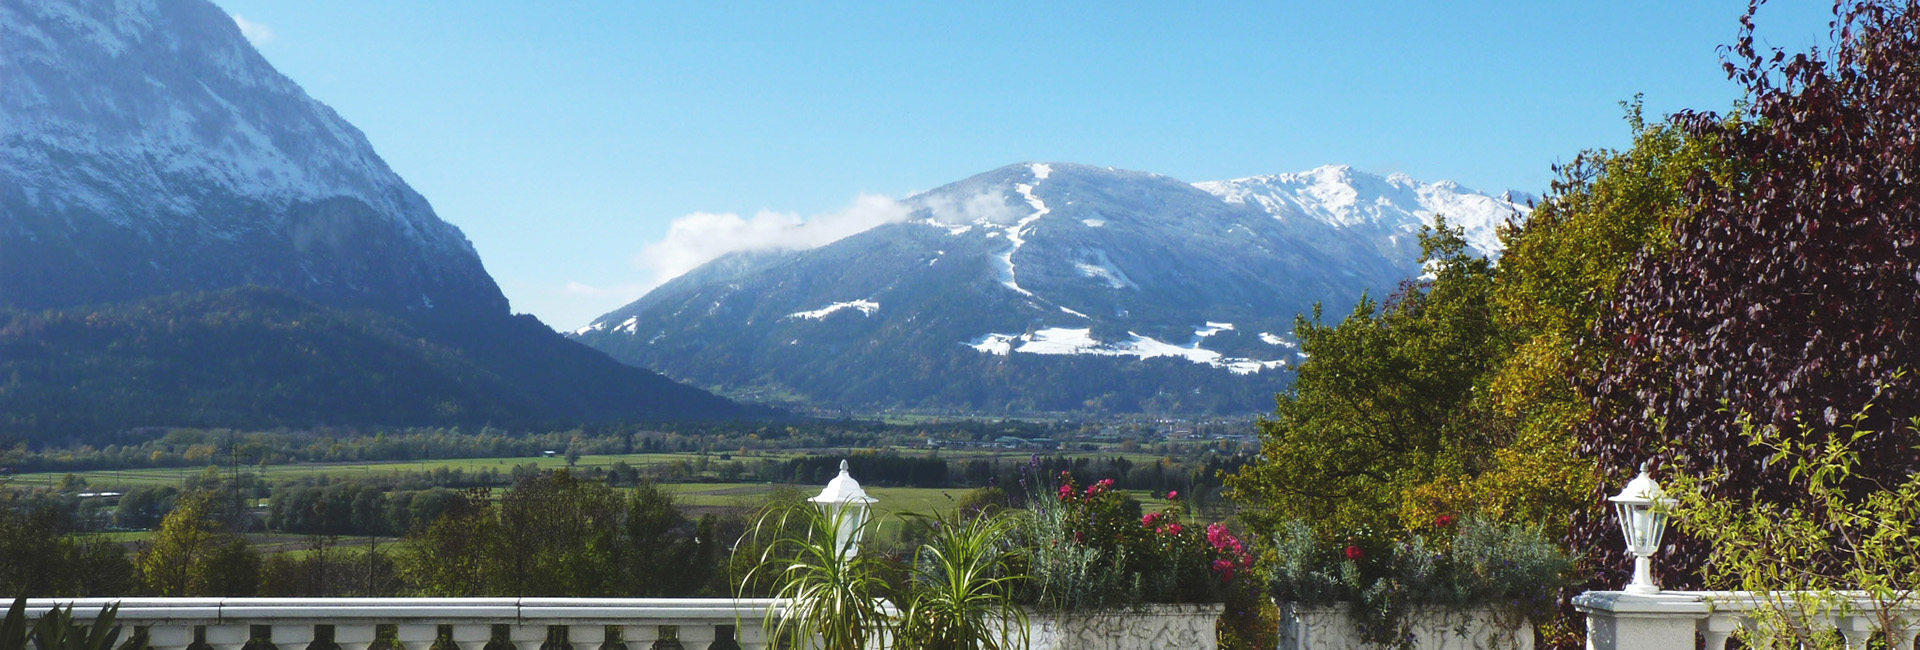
(1677, 620)
(417, 623)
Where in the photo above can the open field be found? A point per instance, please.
(107, 479)
(112, 479)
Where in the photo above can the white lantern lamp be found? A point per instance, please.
(1642, 507)
(845, 505)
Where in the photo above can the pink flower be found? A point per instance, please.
(1224, 569)
(1173, 494)
(1105, 483)
(1354, 553)
(1066, 492)
(1173, 529)
(1217, 535)
(1151, 519)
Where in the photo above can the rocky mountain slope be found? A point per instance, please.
(1048, 287)
(147, 149)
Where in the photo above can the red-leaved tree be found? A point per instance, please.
(1790, 292)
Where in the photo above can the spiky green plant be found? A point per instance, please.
(832, 593)
(13, 630)
(58, 630)
(962, 594)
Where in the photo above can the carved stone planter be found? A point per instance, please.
(1329, 627)
(1150, 627)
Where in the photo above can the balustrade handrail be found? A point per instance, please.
(1618, 620)
(499, 610)
(228, 623)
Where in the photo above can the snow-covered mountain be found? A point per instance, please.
(146, 147)
(1049, 287)
(1388, 211)
(147, 150)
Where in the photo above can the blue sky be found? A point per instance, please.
(567, 138)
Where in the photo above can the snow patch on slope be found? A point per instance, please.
(1271, 339)
(1016, 233)
(866, 307)
(1101, 267)
(1211, 329)
(1071, 341)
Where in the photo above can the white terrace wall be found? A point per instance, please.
(1330, 627)
(225, 623)
(1149, 627)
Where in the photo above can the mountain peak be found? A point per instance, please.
(1394, 206)
(158, 123)
(147, 151)
(1043, 286)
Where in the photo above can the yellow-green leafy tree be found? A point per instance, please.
(1561, 270)
(194, 554)
(1381, 404)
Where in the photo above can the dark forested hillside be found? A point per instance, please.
(263, 357)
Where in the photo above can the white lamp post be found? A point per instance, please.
(1642, 507)
(844, 504)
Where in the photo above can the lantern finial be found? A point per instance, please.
(845, 505)
(1642, 506)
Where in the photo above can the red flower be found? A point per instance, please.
(1224, 569)
(1066, 492)
(1354, 553)
(1443, 521)
(1173, 529)
(1173, 494)
(1151, 519)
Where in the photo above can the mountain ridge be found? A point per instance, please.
(1141, 279)
(148, 152)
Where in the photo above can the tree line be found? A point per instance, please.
(552, 533)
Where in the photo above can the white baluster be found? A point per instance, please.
(169, 637)
(289, 637)
(353, 636)
(1908, 631)
(750, 635)
(586, 637)
(527, 637)
(696, 637)
(416, 637)
(1856, 629)
(1717, 629)
(639, 637)
(472, 637)
(234, 637)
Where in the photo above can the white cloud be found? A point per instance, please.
(989, 206)
(256, 33)
(700, 237)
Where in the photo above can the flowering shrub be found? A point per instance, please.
(1476, 564)
(1092, 547)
